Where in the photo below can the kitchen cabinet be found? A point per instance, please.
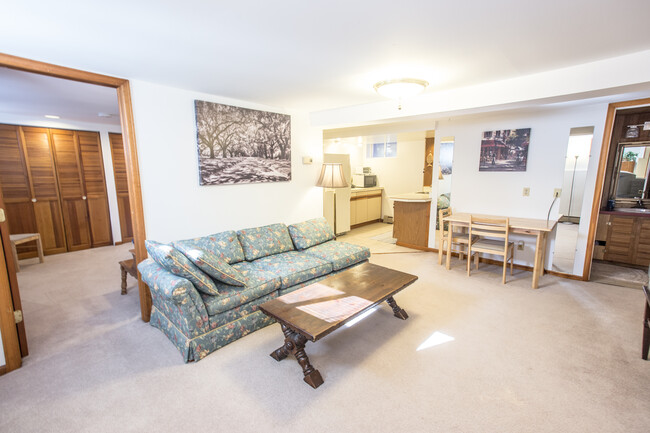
(627, 238)
(365, 206)
(411, 220)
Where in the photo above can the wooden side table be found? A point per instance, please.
(24, 238)
(128, 266)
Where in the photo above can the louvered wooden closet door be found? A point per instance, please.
(95, 185)
(73, 198)
(121, 186)
(15, 187)
(45, 198)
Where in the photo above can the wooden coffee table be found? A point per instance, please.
(316, 310)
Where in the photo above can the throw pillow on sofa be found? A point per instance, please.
(311, 232)
(212, 265)
(265, 241)
(172, 260)
(224, 245)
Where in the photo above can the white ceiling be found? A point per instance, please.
(317, 55)
(32, 96)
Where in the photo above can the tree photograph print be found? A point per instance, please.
(504, 150)
(240, 145)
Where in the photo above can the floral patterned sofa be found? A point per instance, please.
(206, 291)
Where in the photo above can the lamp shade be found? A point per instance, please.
(331, 176)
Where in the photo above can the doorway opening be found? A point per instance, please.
(619, 237)
(14, 334)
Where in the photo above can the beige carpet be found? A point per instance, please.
(563, 358)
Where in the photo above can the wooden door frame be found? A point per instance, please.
(130, 150)
(600, 177)
(14, 341)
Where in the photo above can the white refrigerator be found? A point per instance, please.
(341, 221)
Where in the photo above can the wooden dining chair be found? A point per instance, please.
(492, 239)
(460, 239)
(646, 325)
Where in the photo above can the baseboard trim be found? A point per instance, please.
(415, 247)
(498, 262)
(365, 223)
(3, 370)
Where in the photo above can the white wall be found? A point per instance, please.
(106, 155)
(500, 193)
(403, 173)
(176, 207)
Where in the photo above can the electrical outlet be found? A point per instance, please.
(557, 192)
(526, 191)
(520, 245)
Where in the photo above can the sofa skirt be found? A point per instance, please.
(197, 348)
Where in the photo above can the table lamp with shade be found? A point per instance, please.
(331, 176)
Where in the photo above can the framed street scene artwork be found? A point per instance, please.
(504, 150)
(240, 145)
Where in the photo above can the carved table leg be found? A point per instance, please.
(283, 351)
(123, 279)
(294, 343)
(397, 311)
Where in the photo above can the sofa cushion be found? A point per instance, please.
(339, 254)
(293, 267)
(258, 283)
(311, 232)
(224, 245)
(211, 264)
(233, 314)
(265, 241)
(172, 260)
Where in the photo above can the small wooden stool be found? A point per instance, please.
(128, 266)
(24, 238)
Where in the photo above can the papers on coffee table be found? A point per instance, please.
(312, 291)
(336, 309)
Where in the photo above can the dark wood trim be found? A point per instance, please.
(563, 275)
(600, 178)
(8, 328)
(365, 223)
(27, 65)
(135, 191)
(130, 149)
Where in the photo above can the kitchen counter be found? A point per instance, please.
(372, 188)
(622, 211)
(411, 220)
(412, 197)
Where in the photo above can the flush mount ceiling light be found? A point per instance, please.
(52, 116)
(400, 88)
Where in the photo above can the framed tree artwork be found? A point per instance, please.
(239, 145)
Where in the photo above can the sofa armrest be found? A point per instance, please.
(176, 298)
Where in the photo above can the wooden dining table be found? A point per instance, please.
(539, 228)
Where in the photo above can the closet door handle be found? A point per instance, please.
(83, 197)
(33, 200)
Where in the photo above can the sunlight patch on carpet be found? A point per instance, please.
(434, 340)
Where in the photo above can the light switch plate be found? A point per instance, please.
(307, 160)
(526, 192)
